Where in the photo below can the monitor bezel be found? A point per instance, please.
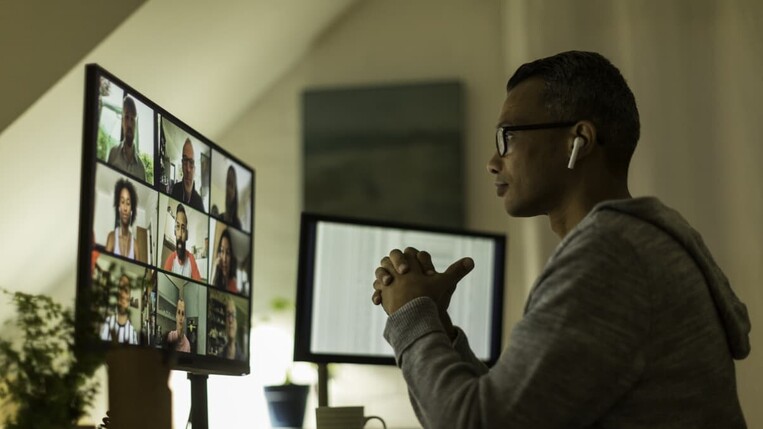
(189, 362)
(304, 300)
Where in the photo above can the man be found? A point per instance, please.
(117, 326)
(125, 155)
(184, 190)
(630, 325)
(181, 261)
(177, 337)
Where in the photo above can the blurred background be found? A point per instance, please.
(236, 71)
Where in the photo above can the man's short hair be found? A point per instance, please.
(129, 104)
(124, 287)
(586, 86)
(181, 209)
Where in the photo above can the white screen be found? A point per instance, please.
(344, 321)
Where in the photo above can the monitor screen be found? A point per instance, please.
(336, 321)
(166, 222)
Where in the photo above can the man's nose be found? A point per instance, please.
(493, 164)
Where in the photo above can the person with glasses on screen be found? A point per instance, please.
(181, 261)
(184, 190)
(631, 324)
(117, 327)
(178, 337)
(125, 155)
(231, 350)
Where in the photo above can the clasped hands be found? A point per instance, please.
(409, 274)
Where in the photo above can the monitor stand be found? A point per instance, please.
(198, 418)
(323, 385)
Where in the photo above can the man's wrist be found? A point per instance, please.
(447, 324)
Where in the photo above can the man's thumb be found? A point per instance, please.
(460, 269)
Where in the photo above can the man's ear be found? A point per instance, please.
(577, 143)
(580, 145)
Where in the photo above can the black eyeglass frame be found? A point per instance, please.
(500, 132)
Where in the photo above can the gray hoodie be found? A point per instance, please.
(630, 325)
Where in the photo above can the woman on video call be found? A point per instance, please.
(230, 216)
(121, 241)
(232, 349)
(225, 264)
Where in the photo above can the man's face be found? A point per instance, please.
(530, 177)
(128, 125)
(181, 234)
(123, 301)
(189, 166)
(180, 317)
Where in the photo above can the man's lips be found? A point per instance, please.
(501, 188)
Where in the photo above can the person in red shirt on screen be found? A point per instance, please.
(181, 261)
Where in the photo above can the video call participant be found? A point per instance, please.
(230, 215)
(184, 191)
(631, 324)
(118, 325)
(225, 264)
(181, 261)
(125, 155)
(177, 337)
(232, 349)
(121, 241)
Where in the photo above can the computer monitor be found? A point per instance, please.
(335, 319)
(166, 222)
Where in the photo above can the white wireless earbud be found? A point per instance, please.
(574, 155)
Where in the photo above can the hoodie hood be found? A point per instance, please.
(732, 311)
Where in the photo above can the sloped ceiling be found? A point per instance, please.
(205, 62)
(41, 40)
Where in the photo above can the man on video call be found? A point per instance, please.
(177, 337)
(125, 155)
(181, 261)
(630, 325)
(184, 191)
(117, 326)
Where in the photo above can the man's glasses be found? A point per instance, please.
(502, 137)
(188, 161)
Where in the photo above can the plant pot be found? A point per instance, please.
(286, 405)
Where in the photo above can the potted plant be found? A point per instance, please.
(286, 401)
(46, 383)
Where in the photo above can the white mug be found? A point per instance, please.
(343, 418)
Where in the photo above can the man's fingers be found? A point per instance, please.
(376, 297)
(459, 269)
(425, 259)
(383, 276)
(398, 261)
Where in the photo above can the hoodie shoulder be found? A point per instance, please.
(633, 217)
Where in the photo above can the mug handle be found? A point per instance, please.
(366, 419)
